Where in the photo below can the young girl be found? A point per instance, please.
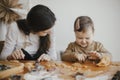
(31, 38)
(85, 48)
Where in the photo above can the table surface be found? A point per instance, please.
(67, 71)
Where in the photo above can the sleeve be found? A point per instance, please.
(69, 53)
(10, 41)
(106, 55)
(52, 50)
(103, 50)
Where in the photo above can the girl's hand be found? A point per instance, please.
(17, 54)
(44, 57)
(94, 55)
(81, 57)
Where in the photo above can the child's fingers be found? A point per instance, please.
(99, 55)
(82, 57)
(91, 52)
(85, 56)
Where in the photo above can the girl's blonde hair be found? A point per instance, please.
(83, 23)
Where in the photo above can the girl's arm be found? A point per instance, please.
(103, 51)
(69, 54)
(106, 56)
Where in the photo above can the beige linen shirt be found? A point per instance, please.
(74, 48)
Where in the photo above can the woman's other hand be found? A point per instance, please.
(44, 57)
(17, 54)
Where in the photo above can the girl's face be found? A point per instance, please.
(43, 33)
(84, 39)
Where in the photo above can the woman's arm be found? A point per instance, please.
(10, 41)
(52, 50)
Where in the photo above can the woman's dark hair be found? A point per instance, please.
(82, 23)
(39, 18)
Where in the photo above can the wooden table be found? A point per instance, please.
(67, 71)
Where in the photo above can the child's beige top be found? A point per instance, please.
(74, 48)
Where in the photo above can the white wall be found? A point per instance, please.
(105, 14)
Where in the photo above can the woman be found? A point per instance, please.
(31, 38)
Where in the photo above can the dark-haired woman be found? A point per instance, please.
(31, 38)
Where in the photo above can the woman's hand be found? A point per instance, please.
(94, 55)
(81, 57)
(44, 57)
(17, 54)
